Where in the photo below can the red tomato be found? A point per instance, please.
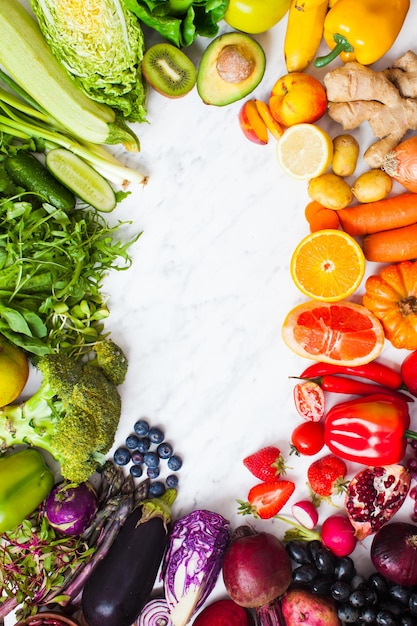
(409, 372)
(308, 438)
(309, 400)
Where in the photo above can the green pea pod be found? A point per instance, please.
(25, 481)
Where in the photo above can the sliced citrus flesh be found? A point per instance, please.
(328, 265)
(344, 333)
(304, 151)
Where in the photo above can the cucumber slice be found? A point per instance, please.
(82, 179)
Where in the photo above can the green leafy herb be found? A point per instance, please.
(34, 559)
(52, 267)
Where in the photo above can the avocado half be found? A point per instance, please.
(232, 65)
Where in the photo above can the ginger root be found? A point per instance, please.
(387, 100)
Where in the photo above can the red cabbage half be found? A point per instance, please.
(193, 562)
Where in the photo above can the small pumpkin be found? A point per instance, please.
(392, 296)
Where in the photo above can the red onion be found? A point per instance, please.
(394, 553)
(155, 613)
(70, 508)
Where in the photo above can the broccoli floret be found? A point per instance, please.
(73, 415)
(112, 360)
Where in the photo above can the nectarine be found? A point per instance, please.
(252, 124)
(297, 98)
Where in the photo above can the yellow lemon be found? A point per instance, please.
(304, 151)
(14, 372)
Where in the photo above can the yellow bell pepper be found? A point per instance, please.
(362, 30)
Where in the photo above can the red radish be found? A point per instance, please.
(338, 535)
(256, 572)
(224, 613)
(305, 513)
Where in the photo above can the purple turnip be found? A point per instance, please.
(256, 572)
(301, 607)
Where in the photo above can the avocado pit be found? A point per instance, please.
(233, 66)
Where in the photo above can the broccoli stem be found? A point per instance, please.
(31, 422)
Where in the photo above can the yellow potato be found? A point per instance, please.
(345, 155)
(331, 191)
(372, 186)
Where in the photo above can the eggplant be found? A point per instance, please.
(121, 584)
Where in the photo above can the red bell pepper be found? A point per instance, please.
(372, 430)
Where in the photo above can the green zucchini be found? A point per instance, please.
(26, 170)
(82, 179)
(27, 58)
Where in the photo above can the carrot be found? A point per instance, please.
(386, 214)
(391, 246)
(311, 209)
(324, 218)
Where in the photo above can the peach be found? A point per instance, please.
(297, 98)
(252, 124)
(272, 125)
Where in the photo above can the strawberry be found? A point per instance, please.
(266, 499)
(326, 476)
(267, 464)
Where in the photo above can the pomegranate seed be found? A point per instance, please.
(413, 492)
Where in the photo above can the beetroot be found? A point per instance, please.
(224, 613)
(301, 607)
(257, 571)
(374, 495)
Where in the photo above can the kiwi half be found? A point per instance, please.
(168, 70)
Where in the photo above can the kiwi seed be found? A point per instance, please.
(168, 70)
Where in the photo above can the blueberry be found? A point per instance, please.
(156, 435)
(121, 456)
(153, 472)
(164, 450)
(172, 481)
(174, 463)
(136, 471)
(132, 442)
(144, 444)
(141, 428)
(137, 457)
(156, 489)
(151, 459)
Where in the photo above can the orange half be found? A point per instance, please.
(328, 265)
(344, 333)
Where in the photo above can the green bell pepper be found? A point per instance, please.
(25, 481)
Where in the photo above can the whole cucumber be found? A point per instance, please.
(121, 584)
(27, 171)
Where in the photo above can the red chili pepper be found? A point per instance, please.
(343, 384)
(375, 371)
(371, 430)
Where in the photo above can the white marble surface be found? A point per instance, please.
(199, 313)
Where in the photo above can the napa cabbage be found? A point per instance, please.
(101, 45)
